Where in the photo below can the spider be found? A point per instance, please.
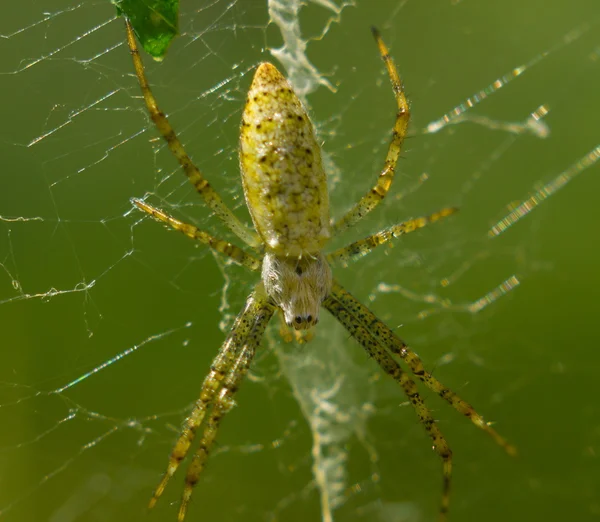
(285, 189)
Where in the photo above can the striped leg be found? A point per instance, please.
(349, 313)
(223, 247)
(247, 330)
(362, 247)
(224, 400)
(384, 182)
(398, 347)
(212, 199)
(377, 339)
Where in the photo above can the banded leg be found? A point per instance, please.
(365, 246)
(224, 401)
(223, 247)
(344, 308)
(384, 182)
(398, 347)
(212, 199)
(243, 329)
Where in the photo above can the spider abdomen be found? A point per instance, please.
(282, 175)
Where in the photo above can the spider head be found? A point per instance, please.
(298, 286)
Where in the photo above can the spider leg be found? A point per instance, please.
(223, 247)
(224, 400)
(397, 346)
(210, 195)
(365, 246)
(350, 313)
(384, 182)
(377, 339)
(244, 331)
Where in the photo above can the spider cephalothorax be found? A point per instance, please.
(297, 286)
(286, 193)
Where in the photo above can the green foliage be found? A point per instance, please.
(155, 23)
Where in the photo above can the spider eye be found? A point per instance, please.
(298, 319)
(309, 319)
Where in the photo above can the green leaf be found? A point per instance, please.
(155, 23)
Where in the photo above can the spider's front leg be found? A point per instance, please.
(227, 371)
(380, 342)
(224, 400)
(398, 347)
(348, 311)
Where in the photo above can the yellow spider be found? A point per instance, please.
(286, 193)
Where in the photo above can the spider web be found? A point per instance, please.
(109, 322)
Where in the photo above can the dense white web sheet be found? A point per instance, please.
(109, 322)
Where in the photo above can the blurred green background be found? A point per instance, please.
(84, 278)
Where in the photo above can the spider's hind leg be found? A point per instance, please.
(201, 184)
(370, 200)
